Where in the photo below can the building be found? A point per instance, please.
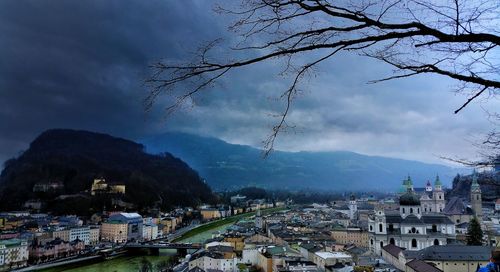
(475, 197)
(353, 207)
(100, 186)
(457, 211)
(55, 249)
(350, 235)
(409, 228)
(63, 234)
(432, 200)
(94, 234)
(215, 261)
(149, 232)
(455, 258)
(323, 259)
(210, 214)
(114, 231)
(80, 233)
(133, 221)
(47, 186)
(13, 254)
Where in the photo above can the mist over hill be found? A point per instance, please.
(231, 166)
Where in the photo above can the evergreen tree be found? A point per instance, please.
(474, 233)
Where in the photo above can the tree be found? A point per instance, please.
(452, 38)
(474, 233)
(145, 265)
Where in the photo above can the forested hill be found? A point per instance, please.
(75, 158)
(230, 166)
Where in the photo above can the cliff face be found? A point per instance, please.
(489, 182)
(75, 158)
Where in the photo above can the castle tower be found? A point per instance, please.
(475, 197)
(438, 196)
(353, 207)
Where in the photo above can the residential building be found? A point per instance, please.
(114, 231)
(63, 234)
(350, 235)
(210, 214)
(80, 233)
(134, 224)
(324, 258)
(94, 233)
(55, 249)
(13, 254)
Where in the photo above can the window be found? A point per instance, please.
(411, 210)
(439, 196)
(434, 228)
(404, 210)
(413, 230)
(413, 243)
(418, 210)
(436, 242)
(380, 228)
(371, 228)
(477, 197)
(371, 241)
(392, 241)
(381, 244)
(391, 227)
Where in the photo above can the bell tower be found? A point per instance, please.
(475, 197)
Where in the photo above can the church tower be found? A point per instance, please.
(475, 197)
(438, 196)
(353, 207)
(259, 221)
(428, 187)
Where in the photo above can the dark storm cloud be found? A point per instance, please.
(80, 64)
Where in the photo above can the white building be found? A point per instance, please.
(81, 233)
(149, 232)
(212, 261)
(13, 254)
(410, 227)
(324, 258)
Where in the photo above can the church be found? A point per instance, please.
(416, 225)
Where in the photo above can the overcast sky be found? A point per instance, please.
(80, 64)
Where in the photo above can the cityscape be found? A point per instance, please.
(249, 136)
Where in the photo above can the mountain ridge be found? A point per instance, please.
(219, 161)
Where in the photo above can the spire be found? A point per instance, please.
(475, 184)
(438, 181)
(353, 197)
(409, 180)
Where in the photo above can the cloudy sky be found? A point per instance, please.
(81, 64)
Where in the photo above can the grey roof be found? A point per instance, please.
(456, 206)
(411, 219)
(421, 266)
(436, 219)
(393, 218)
(393, 250)
(455, 253)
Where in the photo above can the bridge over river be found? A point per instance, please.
(153, 248)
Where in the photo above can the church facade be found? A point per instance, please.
(416, 225)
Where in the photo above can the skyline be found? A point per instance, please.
(84, 70)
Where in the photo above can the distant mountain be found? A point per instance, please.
(230, 166)
(75, 158)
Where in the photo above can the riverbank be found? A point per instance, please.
(222, 222)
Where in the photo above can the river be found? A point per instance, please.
(133, 263)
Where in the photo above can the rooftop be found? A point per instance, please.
(328, 255)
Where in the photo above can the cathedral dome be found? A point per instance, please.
(409, 199)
